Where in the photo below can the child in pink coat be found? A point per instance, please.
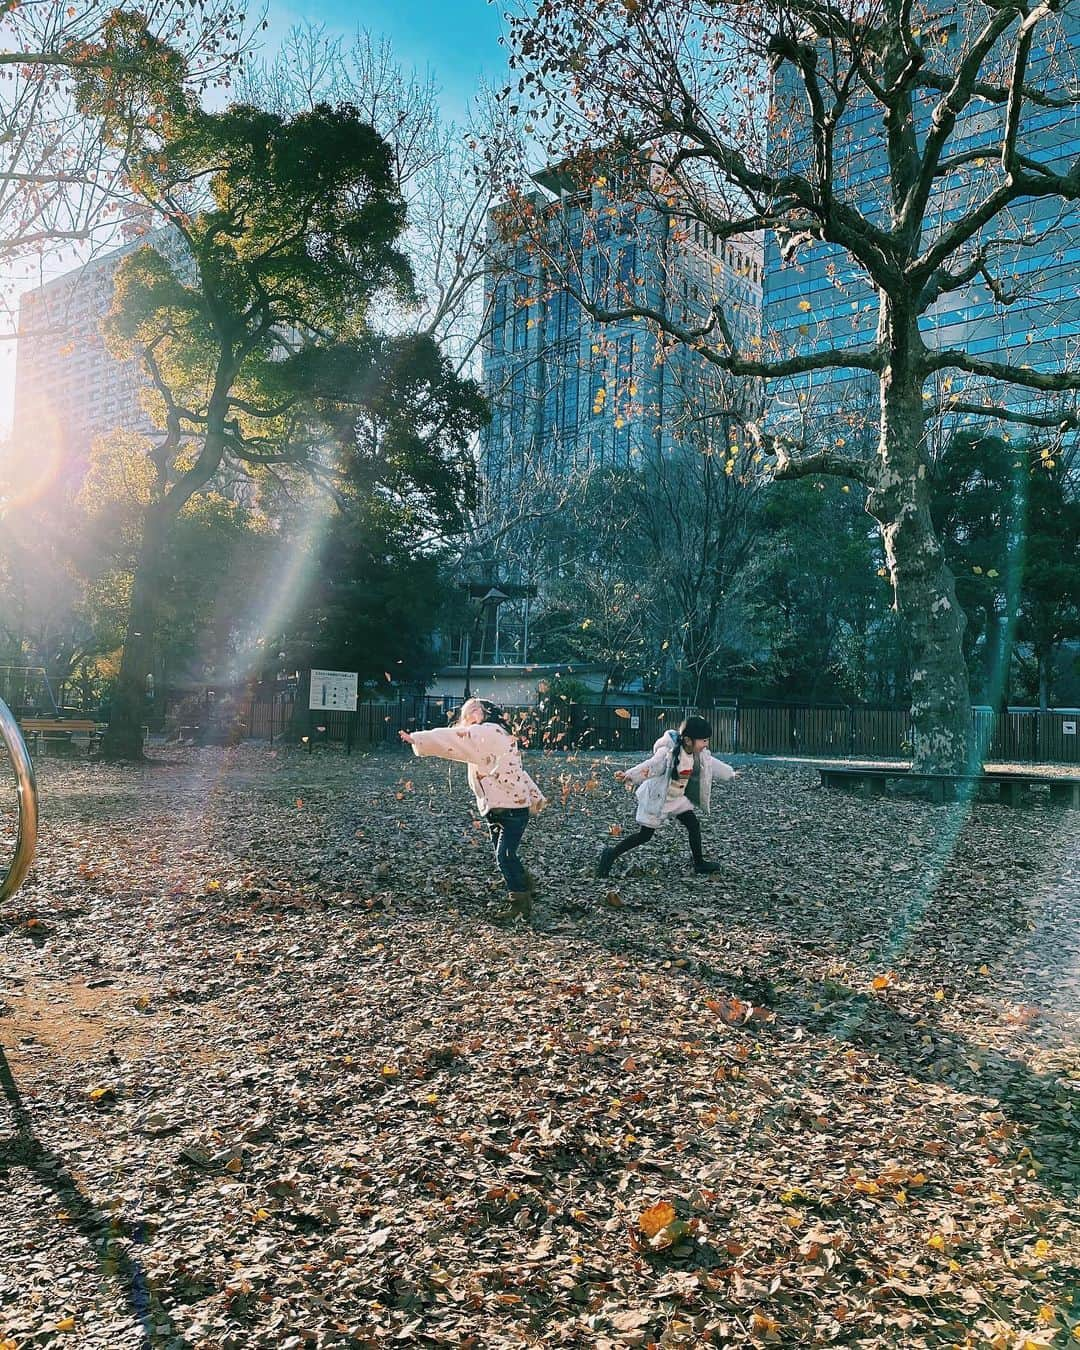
(505, 794)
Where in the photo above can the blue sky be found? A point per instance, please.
(458, 40)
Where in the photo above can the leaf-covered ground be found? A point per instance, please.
(272, 1077)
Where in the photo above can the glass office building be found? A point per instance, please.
(1024, 311)
(570, 394)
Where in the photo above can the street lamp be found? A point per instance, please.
(494, 597)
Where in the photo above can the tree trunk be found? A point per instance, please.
(300, 728)
(128, 713)
(1044, 657)
(923, 586)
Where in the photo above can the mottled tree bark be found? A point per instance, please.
(923, 585)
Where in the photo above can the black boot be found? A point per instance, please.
(705, 868)
(603, 863)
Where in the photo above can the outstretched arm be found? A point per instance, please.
(454, 743)
(723, 771)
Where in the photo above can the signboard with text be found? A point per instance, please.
(333, 690)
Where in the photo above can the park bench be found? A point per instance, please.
(41, 732)
(871, 782)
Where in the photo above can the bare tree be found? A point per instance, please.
(63, 188)
(439, 173)
(930, 153)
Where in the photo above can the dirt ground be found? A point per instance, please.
(271, 1076)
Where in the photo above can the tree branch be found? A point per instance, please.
(1052, 421)
(871, 358)
(1049, 381)
(944, 117)
(824, 462)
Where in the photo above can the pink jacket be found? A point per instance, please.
(496, 774)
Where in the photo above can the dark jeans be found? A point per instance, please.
(507, 827)
(689, 822)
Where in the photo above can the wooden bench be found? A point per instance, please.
(947, 786)
(43, 731)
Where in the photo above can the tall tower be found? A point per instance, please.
(69, 388)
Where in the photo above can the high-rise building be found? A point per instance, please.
(572, 394)
(569, 393)
(69, 388)
(1022, 309)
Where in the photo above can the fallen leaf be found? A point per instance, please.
(656, 1217)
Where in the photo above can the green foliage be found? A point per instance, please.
(821, 605)
(287, 231)
(819, 601)
(126, 75)
(403, 424)
(1010, 522)
(254, 320)
(375, 600)
(207, 569)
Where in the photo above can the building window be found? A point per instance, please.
(521, 317)
(628, 267)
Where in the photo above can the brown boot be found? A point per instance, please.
(519, 906)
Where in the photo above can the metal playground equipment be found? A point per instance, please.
(26, 788)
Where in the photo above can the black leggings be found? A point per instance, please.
(685, 818)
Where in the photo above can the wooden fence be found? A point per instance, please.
(864, 733)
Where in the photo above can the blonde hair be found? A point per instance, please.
(468, 708)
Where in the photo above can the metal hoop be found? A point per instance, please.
(26, 785)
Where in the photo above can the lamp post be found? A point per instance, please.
(494, 597)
